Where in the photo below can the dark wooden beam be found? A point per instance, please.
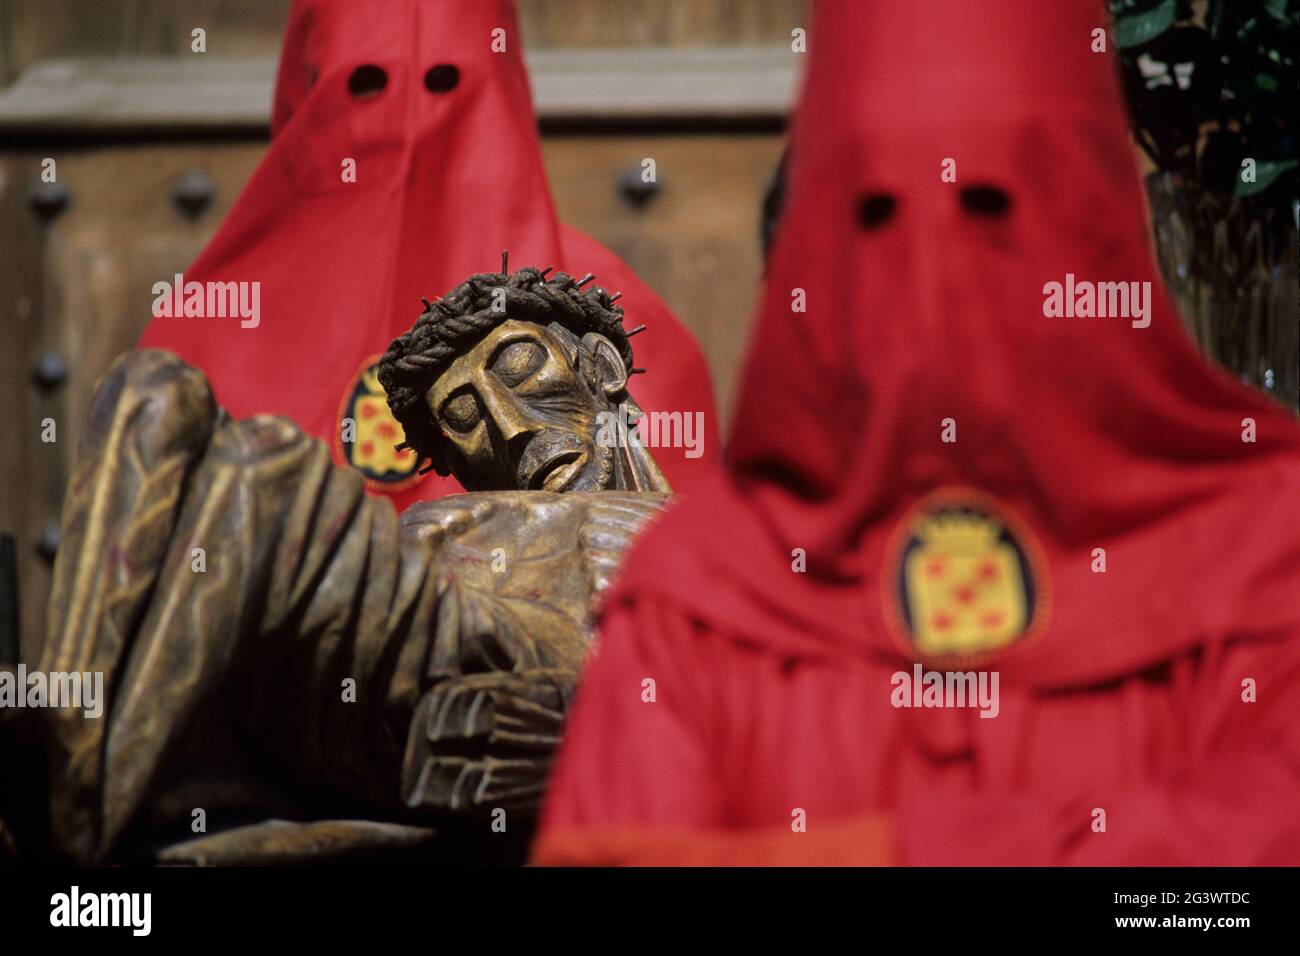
(123, 96)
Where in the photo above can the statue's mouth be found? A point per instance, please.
(557, 472)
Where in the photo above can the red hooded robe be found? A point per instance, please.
(928, 469)
(430, 100)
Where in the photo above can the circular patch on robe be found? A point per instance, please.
(965, 579)
(374, 434)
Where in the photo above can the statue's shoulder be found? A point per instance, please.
(472, 516)
(534, 540)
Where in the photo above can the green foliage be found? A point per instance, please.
(1267, 174)
(1212, 84)
(1141, 26)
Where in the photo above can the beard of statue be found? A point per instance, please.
(595, 471)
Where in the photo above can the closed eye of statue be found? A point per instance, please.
(460, 412)
(517, 361)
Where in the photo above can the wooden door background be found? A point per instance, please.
(106, 89)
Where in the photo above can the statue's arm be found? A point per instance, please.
(240, 591)
(271, 636)
(231, 584)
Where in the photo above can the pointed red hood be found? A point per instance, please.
(429, 103)
(925, 320)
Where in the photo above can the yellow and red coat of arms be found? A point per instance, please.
(365, 419)
(965, 579)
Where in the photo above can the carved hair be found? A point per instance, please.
(455, 323)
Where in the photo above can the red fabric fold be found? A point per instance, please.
(778, 606)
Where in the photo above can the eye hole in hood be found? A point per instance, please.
(442, 78)
(875, 210)
(367, 81)
(988, 201)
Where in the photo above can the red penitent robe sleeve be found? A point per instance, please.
(638, 753)
(638, 781)
(1231, 799)
(1186, 770)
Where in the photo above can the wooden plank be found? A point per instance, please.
(32, 471)
(123, 95)
(80, 287)
(110, 96)
(693, 84)
(35, 30)
(657, 23)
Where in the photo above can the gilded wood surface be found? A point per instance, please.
(273, 640)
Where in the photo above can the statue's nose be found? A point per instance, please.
(505, 411)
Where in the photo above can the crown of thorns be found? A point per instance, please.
(453, 324)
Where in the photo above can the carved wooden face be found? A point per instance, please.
(519, 410)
